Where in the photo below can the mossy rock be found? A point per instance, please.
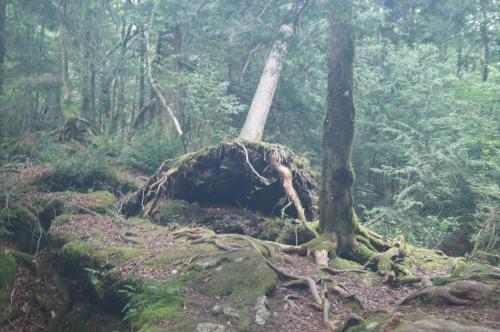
(243, 275)
(83, 174)
(440, 325)
(295, 233)
(427, 261)
(7, 277)
(101, 201)
(52, 209)
(180, 252)
(179, 212)
(114, 256)
(24, 228)
(61, 220)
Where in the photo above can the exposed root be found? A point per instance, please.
(321, 257)
(383, 263)
(287, 181)
(462, 292)
(260, 177)
(345, 295)
(340, 271)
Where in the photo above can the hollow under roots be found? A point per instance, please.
(249, 175)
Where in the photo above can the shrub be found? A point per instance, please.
(86, 171)
(146, 151)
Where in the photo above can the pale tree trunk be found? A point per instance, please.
(337, 178)
(253, 129)
(3, 9)
(157, 90)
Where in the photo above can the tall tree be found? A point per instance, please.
(253, 129)
(3, 9)
(337, 178)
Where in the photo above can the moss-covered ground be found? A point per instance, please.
(192, 267)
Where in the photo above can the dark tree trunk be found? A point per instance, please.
(86, 40)
(336, 198)
(3, 9)
(92, 94)
(484, 41)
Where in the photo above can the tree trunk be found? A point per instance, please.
(142, 50)
(157, 90)
(3, 10)
(85, 88)
(336, 197)
(483, 28)
(253, 129)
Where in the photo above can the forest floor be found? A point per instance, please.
(186, 277)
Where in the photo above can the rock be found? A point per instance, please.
(210, 327)
(54, 208)
(440, 325)
(228, 311)
(263, 313)
(207, 265)
(372, 326)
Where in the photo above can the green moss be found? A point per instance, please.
(101, 201)
(244, 276)
(341, 263)
(117, 255)
(52, 209)
(426, 260)
(288, 236)
(325, 242)
(361, 254)
(180, 252)
(7, 277)
(85, 172)
(24, 227)
(384, 264)
(61, 220)
(77, 249)
(179, 212)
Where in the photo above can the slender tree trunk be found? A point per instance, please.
(3, 14)
(157, 90)
(93, 109)
(484, 41)
(104, 99)
(85, 88)
(142, 50)
(336, 197)
(253, 129)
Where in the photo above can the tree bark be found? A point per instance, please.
(85, 82)
(336, 197)
(3, 12)
(483, 28)
(253, 129)
(157, 90)
(142, 50)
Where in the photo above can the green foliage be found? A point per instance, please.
(23, 227)
(7, 276)
(146, 151)
(85, 171)
(152, 302)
